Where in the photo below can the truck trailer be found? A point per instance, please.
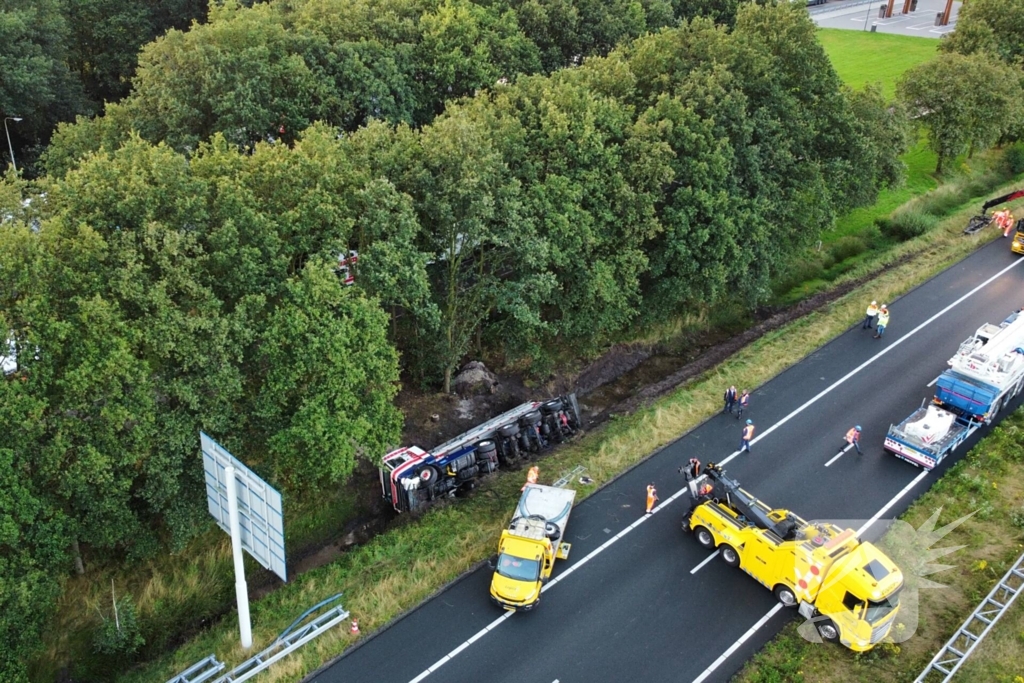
(530, 545)
(411, 477)
(986, 372)
(848, 588)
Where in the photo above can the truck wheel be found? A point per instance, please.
(552, 406)
(508, 430)
(552, 531)
(704, 537)
(729, 554)
(827, 630)
(785, 595)
(427, 475)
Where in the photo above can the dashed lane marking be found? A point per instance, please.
(839, 455)
(704, 562)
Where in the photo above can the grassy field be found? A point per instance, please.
(860, 57)
(989, 483)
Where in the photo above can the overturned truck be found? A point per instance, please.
(411, 477)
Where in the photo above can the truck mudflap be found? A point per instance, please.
(563, 550)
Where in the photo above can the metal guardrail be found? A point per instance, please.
(291, 639)
(200, 671)
(954, 653)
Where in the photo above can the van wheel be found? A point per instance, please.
(827, 630)
(729, 554)
(785, 595)
(704, 537)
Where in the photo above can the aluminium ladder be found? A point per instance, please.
(956, 651)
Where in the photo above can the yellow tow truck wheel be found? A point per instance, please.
(827, 630)
(704, 537)
(730, 556)
(786, 596)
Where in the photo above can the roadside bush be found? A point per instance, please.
(941, 202)
(906, 225)
(847, 247)
(1015, 158)
(120, 635)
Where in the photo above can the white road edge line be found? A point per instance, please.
(604, 546)
(839, 455)
(735, 646)
(704, 562)
(774, 610)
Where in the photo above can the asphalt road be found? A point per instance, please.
(626, 606)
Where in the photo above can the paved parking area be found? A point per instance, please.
(860, 16)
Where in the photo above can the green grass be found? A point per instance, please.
(860, 57)
(987, 483)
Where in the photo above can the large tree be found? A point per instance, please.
(967, 102)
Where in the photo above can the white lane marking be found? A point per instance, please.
(774, 610)
(604, 546)
(839, 455)
(709, 558)
(735, 646)
(932, 383)
(892, 502)
(875, 357)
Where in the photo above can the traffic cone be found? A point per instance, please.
(355, 628)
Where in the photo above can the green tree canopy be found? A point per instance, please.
(967, 102)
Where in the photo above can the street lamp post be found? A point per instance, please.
(9, 145)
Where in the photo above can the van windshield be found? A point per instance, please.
(517, 568)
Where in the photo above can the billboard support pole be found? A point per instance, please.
(241, 589)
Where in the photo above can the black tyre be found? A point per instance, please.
(485, 448)
(427, 475)
(552, 406)
(552, 531)
(506, 431)
(704, 537)
(729, 555)
(531, 418)
(828, 631)
(786, 596)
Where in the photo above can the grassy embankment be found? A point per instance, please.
(989, 482)
(405, 566)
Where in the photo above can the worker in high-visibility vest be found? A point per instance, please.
(531, 477)
(870, 315)
(853, 438)
(652, 497)
(742, 403)
(691, 469)
(748, 434)
(883, 321)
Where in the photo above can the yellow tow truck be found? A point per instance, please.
(847, 587)
(530, 545)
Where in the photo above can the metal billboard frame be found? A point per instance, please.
(260, 512)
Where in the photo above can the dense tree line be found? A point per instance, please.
(175, 270)
(62, 58)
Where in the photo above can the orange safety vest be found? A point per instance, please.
(748, 432)
(531, 477)
(652, 495)
(852, 435)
